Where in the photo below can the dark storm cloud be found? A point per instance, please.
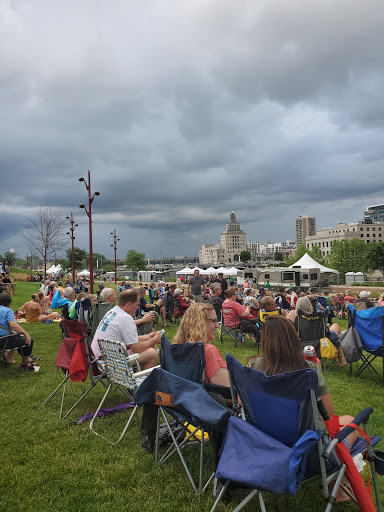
(184, 112)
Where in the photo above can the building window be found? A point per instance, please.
(361, 229)
(374, 235)
(361, 235)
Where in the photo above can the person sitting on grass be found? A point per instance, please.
(282, 353)
(33, 311)
(8, 325)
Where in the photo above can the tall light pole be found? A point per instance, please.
(89, 214)
(72, 229)
(114, 245)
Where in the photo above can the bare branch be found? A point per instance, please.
(44, 232)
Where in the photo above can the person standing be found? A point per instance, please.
(196, 286)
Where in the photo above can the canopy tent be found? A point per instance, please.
(189, 271)
(232, 271)
(53, 269)
(84, 273)
(307, 262)
(185, 270)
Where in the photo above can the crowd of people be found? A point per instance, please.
(197, 308)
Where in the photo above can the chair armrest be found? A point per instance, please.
(144, 373)
(362, 417)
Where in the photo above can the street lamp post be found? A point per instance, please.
(72, 229)
(89, 214)
(114, 245)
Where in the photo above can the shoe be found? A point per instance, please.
(49, 321)
(166, 325)
(30, 367)
(35, 358)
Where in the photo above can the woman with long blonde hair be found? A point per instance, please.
(199, 324)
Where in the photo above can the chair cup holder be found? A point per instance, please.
(379, 461)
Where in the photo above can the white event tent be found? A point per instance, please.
(84, 273)
(308, 262)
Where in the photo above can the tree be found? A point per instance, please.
(374, 257)
(44, 233)
(348, 256)
(8, 258)
(135, 260)
(245, 256)
(279, 256)
(81, 258)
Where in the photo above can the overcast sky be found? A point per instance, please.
(184, 110)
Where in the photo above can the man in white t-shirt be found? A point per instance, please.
(117, 324)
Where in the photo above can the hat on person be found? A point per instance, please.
(261, 291)
(364, 294)
(177, 292)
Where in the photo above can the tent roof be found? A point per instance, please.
(308, 262)
(84, 273)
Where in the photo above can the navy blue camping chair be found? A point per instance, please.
(281, 441)
(189, 403)
(370, 326)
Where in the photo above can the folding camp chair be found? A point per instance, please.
(370, 326)
(12, 341)
(187, 402)
(236, 333)
(98, 312)
(76, 360)
(311, 329)
(280, 442)
(119, 371)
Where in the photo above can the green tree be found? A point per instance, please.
(245, 256)
(348, 256)
(81, 258)
(135, 260)
(279, 256)
(374, 257)
(8, 258)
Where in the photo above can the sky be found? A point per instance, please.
(184, 110)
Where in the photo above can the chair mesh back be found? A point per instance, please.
(115, 356)
(186, 360)
(370, 326)
(279, 405)
(311, 328)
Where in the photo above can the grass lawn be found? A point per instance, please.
(54, 466)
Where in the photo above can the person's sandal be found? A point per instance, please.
(30, 367)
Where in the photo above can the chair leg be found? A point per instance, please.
(220, 496)
(56, 390)
(131, 415)
(93, 384)
(179, 452)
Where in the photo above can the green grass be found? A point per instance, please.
(54, 466)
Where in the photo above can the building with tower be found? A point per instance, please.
(232, 243)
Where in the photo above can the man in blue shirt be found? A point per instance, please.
(23, 343)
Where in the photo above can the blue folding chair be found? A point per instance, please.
(280, 442)
(369, 324)
(187, 402)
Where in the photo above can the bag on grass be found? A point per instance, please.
(351, 344)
